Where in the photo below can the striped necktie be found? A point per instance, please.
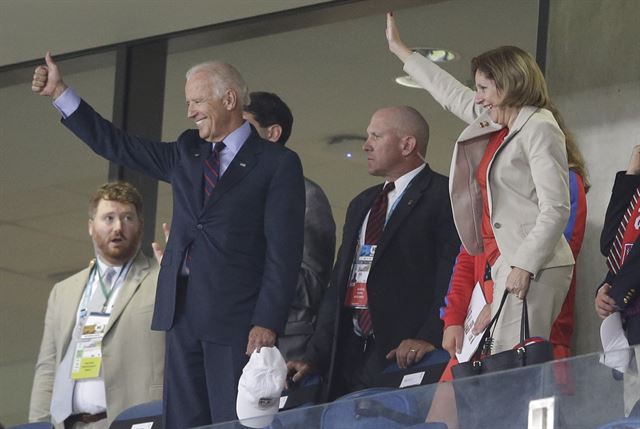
(211, 167)
(615, 251)
(375, 226)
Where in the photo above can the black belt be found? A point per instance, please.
(83, 418)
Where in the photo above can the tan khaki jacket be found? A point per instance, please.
(527, 179)
(133, 355)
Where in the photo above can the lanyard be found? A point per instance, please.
(394, 205)
(108, 294)
(105, 292)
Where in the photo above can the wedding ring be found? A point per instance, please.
(412, 351)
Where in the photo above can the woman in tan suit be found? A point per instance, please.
(508, 181)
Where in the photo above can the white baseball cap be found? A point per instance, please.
(260, 386)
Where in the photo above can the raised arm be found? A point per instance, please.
(153, 158)
(444, 88)
(396, 45)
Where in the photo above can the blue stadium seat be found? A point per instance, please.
(628, 423)
(38, 425)
(303, 394)
(141, 413)
(430, 368)
(375, 408)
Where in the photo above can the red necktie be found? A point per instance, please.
(615, 251)
(211, 167)
(375, 226)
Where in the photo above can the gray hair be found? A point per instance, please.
(223, 77)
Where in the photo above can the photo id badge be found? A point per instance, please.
(87, 358)
(357, 289)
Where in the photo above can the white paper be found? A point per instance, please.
(614, 343)
(471, 342)
(412, 379)
(147, 425)
(283, 402)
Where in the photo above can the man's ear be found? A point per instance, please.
(275, 131)
(408, 145)
(90, 227)
(230, 99)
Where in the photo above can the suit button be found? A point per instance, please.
(497, 225)
(199, 226)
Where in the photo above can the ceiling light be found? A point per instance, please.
(435, 55)
(346, 138)
(407, 81)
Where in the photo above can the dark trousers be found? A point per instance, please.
(201, 377)
(360, 363)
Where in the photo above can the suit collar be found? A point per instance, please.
(525, 114)
(73, 288)
(138, 271)
(359, 210)
(240, 166)
(483, 125)
(403, 208)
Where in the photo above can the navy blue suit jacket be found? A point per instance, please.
(246, 241)
(409, 275)
(625, 284)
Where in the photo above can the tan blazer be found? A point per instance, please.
(527, 179)
(133, 355)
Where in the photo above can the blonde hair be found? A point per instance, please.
(574, 156)
(516, 75)
(519, 79)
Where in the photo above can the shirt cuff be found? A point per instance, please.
(67, 103)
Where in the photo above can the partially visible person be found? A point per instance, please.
(112, 302)
(230, 267)
(272, 119)
(509, 181)
(562, 329)
(393, 267)
(620, 244)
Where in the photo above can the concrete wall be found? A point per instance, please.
(593, 72)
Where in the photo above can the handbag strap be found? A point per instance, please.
(524, 322)
(488, 332)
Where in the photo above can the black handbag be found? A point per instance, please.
(529, 351)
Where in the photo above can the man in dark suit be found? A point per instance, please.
(272, 119)
(619, 242)
(392, 272)
(229, 271)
